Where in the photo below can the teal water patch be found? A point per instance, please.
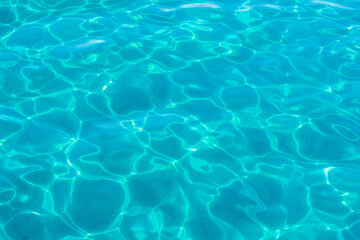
(221, 120)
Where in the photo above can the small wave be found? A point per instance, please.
(332, 4)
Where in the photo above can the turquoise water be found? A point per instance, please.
(221, 120)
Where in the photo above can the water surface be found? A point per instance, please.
(221, 120)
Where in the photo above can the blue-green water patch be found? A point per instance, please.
(218, 120)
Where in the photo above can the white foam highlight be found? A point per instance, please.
(90, 42)
(200, 5)
(332, 4)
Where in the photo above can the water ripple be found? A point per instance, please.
(179, 120)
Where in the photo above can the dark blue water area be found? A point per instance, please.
(179, 120)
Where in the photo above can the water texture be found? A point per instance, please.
(222, 120)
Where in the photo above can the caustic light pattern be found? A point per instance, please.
(218, 120)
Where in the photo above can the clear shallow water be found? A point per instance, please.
(179, 120)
